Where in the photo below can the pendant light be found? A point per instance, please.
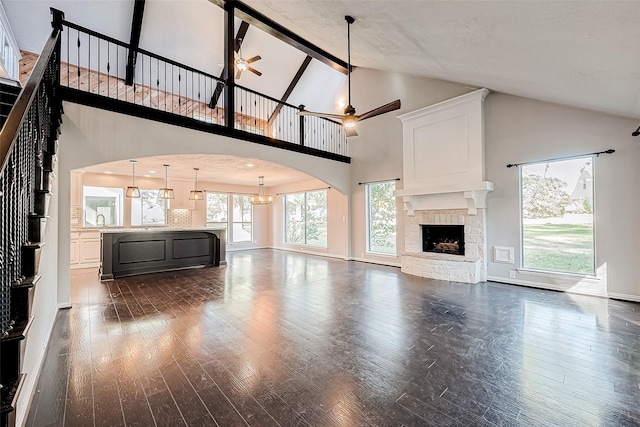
(261, 198)
(166, 192)
(196, 194)
(133, 192)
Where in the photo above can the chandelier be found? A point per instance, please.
(261, 198)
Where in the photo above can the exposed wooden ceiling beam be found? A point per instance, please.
(292, 86)
(136, 28)
(242, 32)
(258, 20)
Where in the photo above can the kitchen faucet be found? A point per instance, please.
(103, 220)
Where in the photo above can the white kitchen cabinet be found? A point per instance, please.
(181, 190)
(74, 256)
(85, 249)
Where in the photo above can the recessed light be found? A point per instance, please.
(249, 165)
(108, 172)
(148, 176)
(152, 171)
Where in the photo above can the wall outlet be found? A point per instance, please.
(512, 274)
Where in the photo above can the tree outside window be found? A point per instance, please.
(557, 216)
(381, 217)
(306, 218)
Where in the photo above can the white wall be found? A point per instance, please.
(43, 310)
(337, 221)
(519, 130)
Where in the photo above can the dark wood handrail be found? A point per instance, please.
(18, 113)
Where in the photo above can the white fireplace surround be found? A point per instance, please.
(443, 169)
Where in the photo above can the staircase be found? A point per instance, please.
(8, 95)
(31, 120)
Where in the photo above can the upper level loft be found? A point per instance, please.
(101, 71)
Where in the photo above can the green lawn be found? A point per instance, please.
(559, 247)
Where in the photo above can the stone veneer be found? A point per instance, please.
(470, 268)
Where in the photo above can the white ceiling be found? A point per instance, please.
(213, 168)
(578, 53)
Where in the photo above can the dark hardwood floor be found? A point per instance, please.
(278, 338)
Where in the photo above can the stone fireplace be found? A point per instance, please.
(444, 187)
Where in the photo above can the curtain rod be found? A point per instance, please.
(382, 180)
(305, 191)
(609, 151)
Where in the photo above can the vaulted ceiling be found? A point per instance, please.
(577, 53)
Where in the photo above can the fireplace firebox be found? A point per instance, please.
(446, 239)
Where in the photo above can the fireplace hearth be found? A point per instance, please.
(446, 239)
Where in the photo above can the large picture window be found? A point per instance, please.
(148, 209)
(103, 206)
(306, 218)
(242, 219)
(217, 210)
(557, 216)
(381, 217)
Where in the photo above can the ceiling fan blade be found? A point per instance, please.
(238, 73)
(254, 71)
(395, 105)
(351, 132)
(254, 59)
(325, 115)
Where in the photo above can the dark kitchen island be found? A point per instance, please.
(127, 252)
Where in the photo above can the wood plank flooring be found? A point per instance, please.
(284, 339)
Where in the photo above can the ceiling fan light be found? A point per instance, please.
(242, 65)
(349, 122)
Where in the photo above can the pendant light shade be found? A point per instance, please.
(133, 192)
(261, 198)
(196, 194)
(166, 192)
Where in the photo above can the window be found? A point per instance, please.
(306, 218)
(381, 217)
(148, 209)
(102, 206)
(217, 210)
(242, 213)
(557, 216)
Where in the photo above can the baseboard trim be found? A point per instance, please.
(308, 252)
(548, 286)
(625, 297)
(31, 381)
(376, 261)
(64, 305)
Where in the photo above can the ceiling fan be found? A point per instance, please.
(349, 118)
(243, 64)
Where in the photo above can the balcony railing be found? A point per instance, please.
(96, 64)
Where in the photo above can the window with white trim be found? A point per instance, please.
(557, 216)
(305, 217)
(381, 217)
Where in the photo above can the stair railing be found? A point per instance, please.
(30, 129)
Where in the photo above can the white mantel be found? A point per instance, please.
(443, 155)
(444, 183)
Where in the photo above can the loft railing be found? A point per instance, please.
(30, 129)
(96, 64)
